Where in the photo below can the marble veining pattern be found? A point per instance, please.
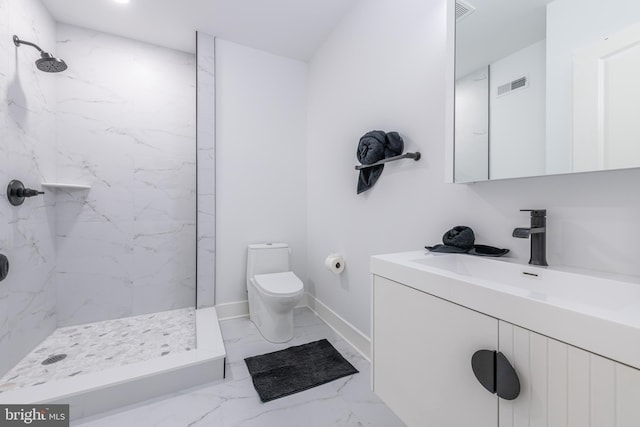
(27, 152)
(97, 346)
(126, 126)
(233, 402)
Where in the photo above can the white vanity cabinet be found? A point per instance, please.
(564, 386)
(422, 349)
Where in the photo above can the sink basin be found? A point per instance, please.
(562, 288)
(598, 312)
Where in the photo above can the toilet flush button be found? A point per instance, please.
(4, 267)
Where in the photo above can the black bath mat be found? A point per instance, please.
(296, 369)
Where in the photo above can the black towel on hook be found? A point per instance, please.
(373, 147)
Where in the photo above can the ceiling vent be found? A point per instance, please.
(463, 9)
(514, 85)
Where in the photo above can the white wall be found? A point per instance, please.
(125, 126)
(518, 118)
(391, 76)
(260, 160)
(27, 153)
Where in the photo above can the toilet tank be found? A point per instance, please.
(266, 258)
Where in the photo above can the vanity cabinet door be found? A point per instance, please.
(564, 386)
(422, 349)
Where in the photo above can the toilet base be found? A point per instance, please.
(274, 331)
(273, 316)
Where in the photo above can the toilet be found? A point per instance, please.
(273, 290)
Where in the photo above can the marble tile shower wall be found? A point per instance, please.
(27, 152)
(126, 126)
(206, 170)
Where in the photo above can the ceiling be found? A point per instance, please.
(291, 28)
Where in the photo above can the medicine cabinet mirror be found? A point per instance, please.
(546, 87)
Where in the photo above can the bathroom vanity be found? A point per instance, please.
(573, 338)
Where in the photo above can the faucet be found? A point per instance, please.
(538, 233)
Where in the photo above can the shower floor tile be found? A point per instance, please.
(97, 346)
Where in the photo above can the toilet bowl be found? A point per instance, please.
(273, 290)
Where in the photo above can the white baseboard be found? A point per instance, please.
(347, 331)
(231, 310)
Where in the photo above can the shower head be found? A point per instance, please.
(47, 62)
(50, 64)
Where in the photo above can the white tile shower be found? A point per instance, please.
(126, 125)
(27, 123)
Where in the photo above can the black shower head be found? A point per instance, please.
(47, 62)
(50, 64)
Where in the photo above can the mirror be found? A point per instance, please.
(546, 87)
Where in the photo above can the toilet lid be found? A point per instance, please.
(279, 283)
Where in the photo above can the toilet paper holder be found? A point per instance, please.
(335, 263)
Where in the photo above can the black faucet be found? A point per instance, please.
(538, 234)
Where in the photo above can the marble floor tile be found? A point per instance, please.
(233, 402)
(97, 346)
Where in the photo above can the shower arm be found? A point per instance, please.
(18, 42)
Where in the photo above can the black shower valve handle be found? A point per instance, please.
(27, 192)
(4, 267)
(17, 193)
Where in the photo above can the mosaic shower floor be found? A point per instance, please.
(97, 346)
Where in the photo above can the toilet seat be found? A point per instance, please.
(279, 284)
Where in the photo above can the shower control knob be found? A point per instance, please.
(27, 192)
(4, 267)
(16, 193)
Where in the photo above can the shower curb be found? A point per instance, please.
(113, 388)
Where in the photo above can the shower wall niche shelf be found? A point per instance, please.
(64, 186)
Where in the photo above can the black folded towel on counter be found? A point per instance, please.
(484, 250)
(373, 147)
(460, 240)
